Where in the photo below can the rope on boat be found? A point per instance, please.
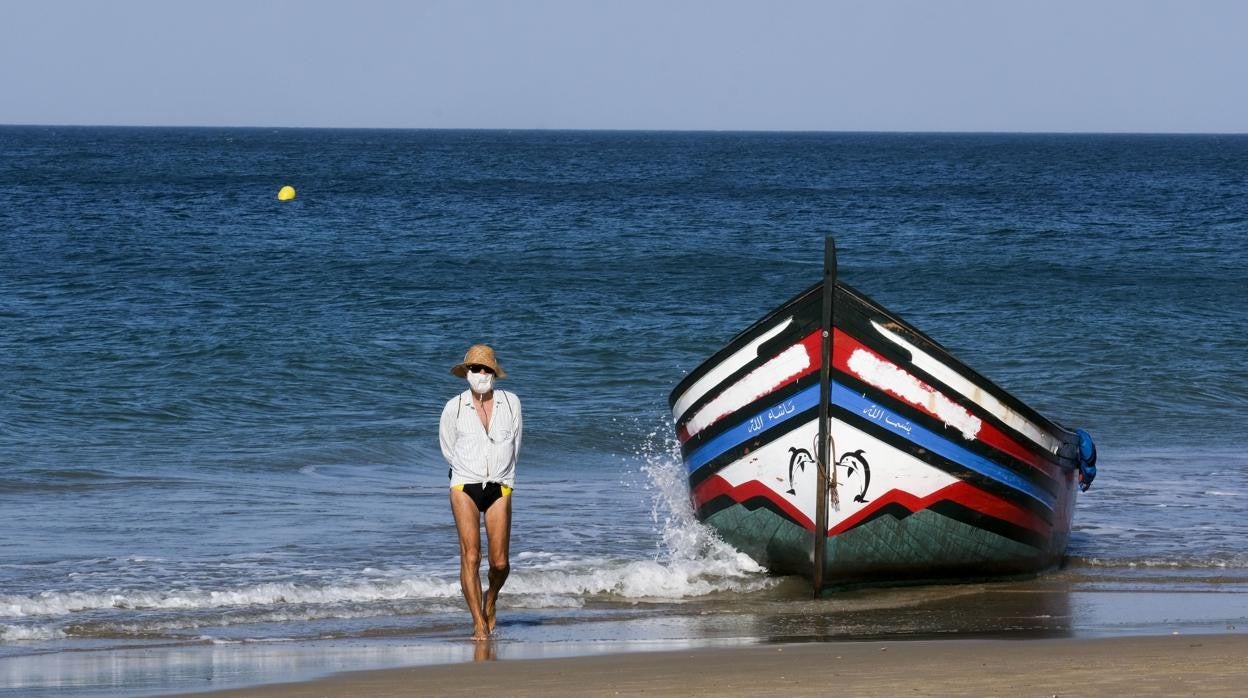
(830, 477)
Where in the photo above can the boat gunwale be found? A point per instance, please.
(857, 318)
(939, 351)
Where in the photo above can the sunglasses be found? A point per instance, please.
(479, 368)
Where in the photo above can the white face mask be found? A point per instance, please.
(481, 383)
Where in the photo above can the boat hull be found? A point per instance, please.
(935, 472)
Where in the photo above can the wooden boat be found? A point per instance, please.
(933, 472)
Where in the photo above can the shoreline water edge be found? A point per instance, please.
(1188, 665)
(992, 615)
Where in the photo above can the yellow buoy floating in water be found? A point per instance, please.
(286, 193)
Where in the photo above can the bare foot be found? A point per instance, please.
(480, 634)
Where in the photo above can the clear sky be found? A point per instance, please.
(827, 65)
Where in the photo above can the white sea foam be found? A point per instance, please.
(54, 603)
(19, 633)
(693, 560)
(695, 564)
(688, 561)
(1237, 561)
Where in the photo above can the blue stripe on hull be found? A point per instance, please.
(776, 414)
(853, 402)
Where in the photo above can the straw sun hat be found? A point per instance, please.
(478, 354)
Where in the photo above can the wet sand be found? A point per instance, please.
(1036, 636)
(1207, 665)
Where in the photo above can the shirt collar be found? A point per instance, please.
(466, 396)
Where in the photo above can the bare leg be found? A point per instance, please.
(498, 533)
(468, 525)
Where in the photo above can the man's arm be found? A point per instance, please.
(519, 427)
(447, 431)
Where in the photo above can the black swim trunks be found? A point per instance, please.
(484, 494)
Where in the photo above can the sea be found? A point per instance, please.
(218, 411)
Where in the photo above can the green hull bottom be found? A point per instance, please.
(924, 546)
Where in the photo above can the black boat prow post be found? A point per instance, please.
(825, 467)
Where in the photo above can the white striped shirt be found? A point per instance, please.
(477, 456)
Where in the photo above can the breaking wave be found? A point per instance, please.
(688, 562)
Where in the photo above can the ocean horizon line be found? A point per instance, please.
(541, 129)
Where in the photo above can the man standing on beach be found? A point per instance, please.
(480, 437)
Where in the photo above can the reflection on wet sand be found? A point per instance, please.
(484, 651)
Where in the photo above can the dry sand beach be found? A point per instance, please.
(1206, 665)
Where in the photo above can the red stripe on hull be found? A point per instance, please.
(843, 346)
(962, 493)
(715, 486)
(811, 343)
